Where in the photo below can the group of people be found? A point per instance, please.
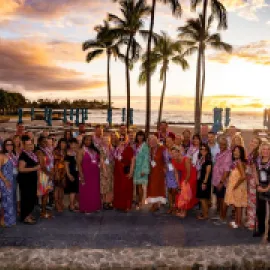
(125, 170)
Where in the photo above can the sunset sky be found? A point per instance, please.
(40, 48)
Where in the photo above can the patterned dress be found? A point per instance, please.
(106, 182)
(170, 175)
(236, 197)
(251, 192)
(59, 169)
(7, 195)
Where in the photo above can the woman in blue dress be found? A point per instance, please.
(6, 189)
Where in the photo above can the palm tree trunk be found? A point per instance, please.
(109, 80)
(128, 81)
(148, 71)
(203, 82)
(197, 116)
(162, 98)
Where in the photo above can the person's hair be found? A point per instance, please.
(72, 140)
(186, 130)
(91, 146)
(263, 144)
(19, 123)
(66, 132)
(176, 148)
(15, 137)
(4, 150)
(40, 139)
(163, 122)
(256, 152)
(211, 133)
(208, 156)
(122, 125)
(140, 133)
(58, 147)
(197, 136)
(25, 138)
(98, 126)
(223, 138)
(239, 137)
(242, 153)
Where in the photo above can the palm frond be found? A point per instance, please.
(221, 46)
(93, 54)
(90, 44)
(219, 11)
(195, 3)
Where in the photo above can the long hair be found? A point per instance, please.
(197, 136)
(91, 146)
(208, 156)
(58, 147)
(242, 153)
(4, 150)
(256, 152)
(140, 133)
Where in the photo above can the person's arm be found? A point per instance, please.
(132, 166)
(71, 178)
(242, 178)
(6, 182)
(145, 163)
(188, 169)
(103, 165)
(42, 162)
(79, 164)
(207, 173)
(22, 167)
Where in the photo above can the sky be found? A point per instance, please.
(41, 55)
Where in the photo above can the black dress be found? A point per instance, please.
(28, 186)
(204, 194)
(72, 187)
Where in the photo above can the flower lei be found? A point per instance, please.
(138, 149)
(13, 158)
(31, 155)
(261, 166)
(48, 153)
(92, 155)
(119, 151)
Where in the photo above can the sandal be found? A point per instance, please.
(233, 225)
(202, 217)
(29, 221)
(46, 215)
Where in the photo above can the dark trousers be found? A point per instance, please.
(261, 215)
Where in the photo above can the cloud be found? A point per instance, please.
(256, 52)
(33, 68)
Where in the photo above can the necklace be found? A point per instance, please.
(31, 155)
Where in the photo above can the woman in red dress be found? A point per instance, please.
(186, 199)
(123, 171)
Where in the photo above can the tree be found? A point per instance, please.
(105, 42)
(199, 39)
(127, 27)
(176, 10)
(218, 12)
(164, 52)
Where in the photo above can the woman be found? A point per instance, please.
(156, 191)
(236, 193)
(8, 150)
(106, 177)
(45, 176)
(72, 174)
(17, 151)
(68, 135)
(88, 162)
(123, 171)
(221, 173)
(251, 182)
(204, 176)
(59, 174)
(7, 190)
(263, 182)
(114, 139)
(237, 140)
(142, 170)
(27, 178)
(171, 175)
(187, 181)
(194, 149)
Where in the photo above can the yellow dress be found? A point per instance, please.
(236, 197)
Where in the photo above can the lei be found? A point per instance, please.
(31, 155)
(13, 158)
(92, 155)
(119, 151)
(262, 166)
(138, 149)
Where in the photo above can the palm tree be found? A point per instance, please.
(199, 39)
(219, 12)
(105, 42)
(176, 10)
(126, 28)
(164, 52)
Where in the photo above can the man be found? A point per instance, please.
(204, 133)
(186, 139)
(19, 129)
(98, 135)
(45, 133)
(231, 132)
(163, 132)
(123, 130)
(81, 131)
(213, 145)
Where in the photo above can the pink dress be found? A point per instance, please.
(89, 193)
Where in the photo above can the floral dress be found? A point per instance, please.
(7, 195)
(170, 175)
(59, 169)
(106, 182)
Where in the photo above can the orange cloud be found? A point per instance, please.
(257, 53)
(33, 68)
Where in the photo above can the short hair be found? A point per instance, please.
(40, 139)
(186, 130)
(211, 133)
(98, 126)
(73, 140)
(25, 138)
(163, 122)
